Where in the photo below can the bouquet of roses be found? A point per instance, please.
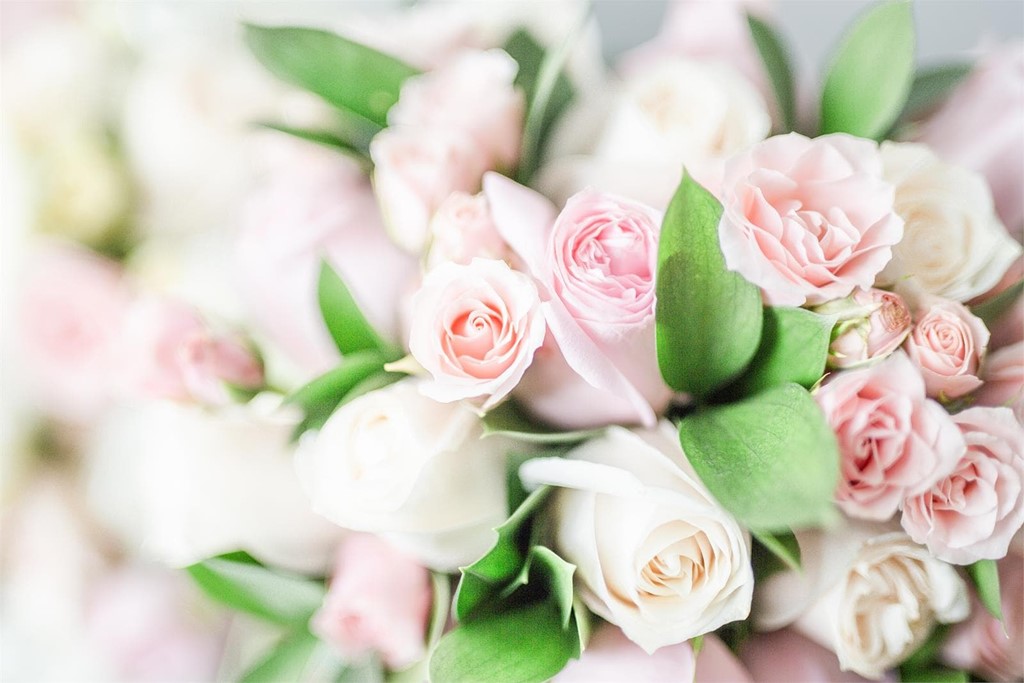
(600, 382)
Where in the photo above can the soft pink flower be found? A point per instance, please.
(948, 344)
(980, 127)
(985, 645)
(316, 205)
(462, 229)
(785, 656)
(595, 262)
(415, 169)
(611, 657)
(71, 310)
(1003, 372)
(893, 442)
(475, 328)
(808, 220)
(473, 94)
(973, 513)
(212, 365)
(151, 625)
(378, 602)
(872, 324)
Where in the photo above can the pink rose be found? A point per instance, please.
(378, 602)
(211, 366)
(472, 95)
(611, 656)
(462, 228)
(808, 220)
(595, 262)
(72, 305)
(316, 205)
(973, 513)
(785, 656)
(1003, 372)
(474, 329)
(947, 344)
(872, 324)
(985, 645)
(979, 127)
(415, 170)
(893, 442)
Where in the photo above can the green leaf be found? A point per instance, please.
(349, 329)
(708, 318)
(776, 62)
(931, 86)
(300, 657)
(500, 565)
(522, 645)
(994, 308)
(794, 348)
(326, 393)
(937, 674)
(871, 73)
(770, 459)
(277, 596)
(782, 546)
(548, 91)
(985, 576)
(347, 74)
(697, 643)
(507, 420)
(925, 656)
(325, 138)
(545, 567)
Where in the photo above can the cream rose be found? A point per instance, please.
(893, 442)
(954, 244)
(948, 344)
(869, 595)
(973, 513)
(475, 328)
(398, 464)
(654, 553)
(808, 221)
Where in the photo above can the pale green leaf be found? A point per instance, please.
(349, 329)
(771, 459)
(871, 73)
(985, 576)
(346, 74)
(993, 309)
(324, 138)
(507, 420)
(932, 85)
(708, 318)
(273, 595)
(360, 371)
(777, 64)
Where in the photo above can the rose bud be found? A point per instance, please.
(893, 441)
(462, 229)
(1003, 372)
(871, 325)
(475, 328)
(973, 513)
(806, 220)
(947, 344)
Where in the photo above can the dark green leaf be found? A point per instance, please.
(936, 674)
(543, 565)
(931, 86)
(488, 575)
(770, 459)
(994, 308)
(783, 547)
(708, 318)
(277, 596)
(346, 74)
(548, 92)
(794, 348)
(323, 395)
(926, 655)
(870, 76)
(776, 63)
(349, 329)
(521, 645)
(985, 576)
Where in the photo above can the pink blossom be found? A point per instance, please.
(785, 656)
(595, 263)
(1003, 372)
(973, 513)
(378, 602)
(808, 220)
(872, 324)
(462, 229)
(893, 442)
(948, 343)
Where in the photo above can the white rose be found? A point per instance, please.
(954, 244)
(398, 464)
(678, 113)
(870, 595)
(655, 554)
(183, 483)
